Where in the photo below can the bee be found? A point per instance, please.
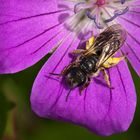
(98, 56)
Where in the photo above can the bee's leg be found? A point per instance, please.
(56, 74)
(124, 55)
(112, 61)
(106, 77)
(90, 42)
(85, 85)
(78, 52)
(64, 71)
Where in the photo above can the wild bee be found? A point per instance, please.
(98, 56)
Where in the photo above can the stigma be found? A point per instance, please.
(100, 2)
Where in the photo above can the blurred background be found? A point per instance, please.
(18, 122)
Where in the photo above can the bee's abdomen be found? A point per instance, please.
(88, 63)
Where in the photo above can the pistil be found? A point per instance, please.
(100, 2)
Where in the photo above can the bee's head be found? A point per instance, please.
(75, 77)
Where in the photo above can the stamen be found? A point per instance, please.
(116, 14)
(94, 10)
(98, 25)
(76, 7)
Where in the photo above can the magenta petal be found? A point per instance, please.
(29, 30)
(100, 109)
(136, 3)
(131, 22)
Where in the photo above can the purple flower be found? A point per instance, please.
(32, 28)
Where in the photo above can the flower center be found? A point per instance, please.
(102, 12)
(100, 2)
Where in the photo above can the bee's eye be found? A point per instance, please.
(74, 81)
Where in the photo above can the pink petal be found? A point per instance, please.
(131, 22)
(29, 30)
(102, 110)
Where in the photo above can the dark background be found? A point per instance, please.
(18, 122)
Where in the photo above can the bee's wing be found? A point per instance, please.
(114, 38)
(107, 52)
(107, 36)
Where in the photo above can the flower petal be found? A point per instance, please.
(103, 110)
(29, 30)
(131, 23)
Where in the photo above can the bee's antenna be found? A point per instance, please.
(56, 74)
(68, 95)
